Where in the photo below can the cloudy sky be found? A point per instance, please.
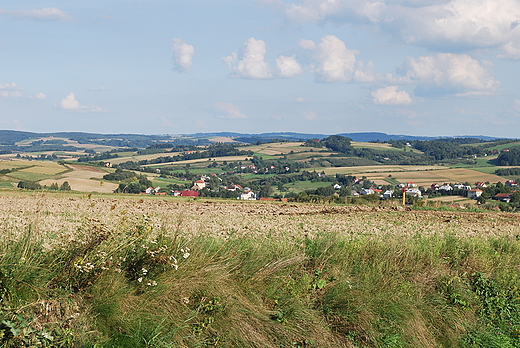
(417, 67)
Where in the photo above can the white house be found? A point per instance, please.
(475, 193)
(249, 196)
(388, 193)
(414, 192)
(446, 187)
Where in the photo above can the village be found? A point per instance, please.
(410, 189)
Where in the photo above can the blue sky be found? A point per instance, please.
(417, 67)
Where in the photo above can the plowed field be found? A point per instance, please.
(67, 213)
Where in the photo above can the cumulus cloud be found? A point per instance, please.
(332, 61)
(446, 23)
(47, 13)
(288, 66)
(10, 90)
(229, 110)
(390, 96)
(448, 73)
(250, 64)
(70, 103)
(40, 95)
(182, 55)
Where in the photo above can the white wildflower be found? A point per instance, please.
(186, 255)
(140, 279)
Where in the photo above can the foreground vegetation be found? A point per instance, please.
(141, 283)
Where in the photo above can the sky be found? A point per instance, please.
(414, 67)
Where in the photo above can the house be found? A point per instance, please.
(367, 191)
(503, 197)
(233, 187)
(411, 184)
(459, 186)
(480, 184)
(149, 191)
(475, 193)
(248, 196)
(511, 183)
(435, 186)
(108, 164)
(388, 193)
(413, 192)
(188, 193)
(446, 187)
(199, 185)
(175, 193)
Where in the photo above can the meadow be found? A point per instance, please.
(95, 270)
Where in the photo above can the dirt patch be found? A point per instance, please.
(85, 168)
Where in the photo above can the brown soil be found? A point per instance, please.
(60, 214)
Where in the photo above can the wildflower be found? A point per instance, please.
(144, 270)
(140, 279)
(186, 255)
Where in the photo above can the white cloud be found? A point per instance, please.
(10, 90)
(447, 73)
(301, 100)
(182, 55)
(453, 23)
(390, 96)
(70, 103)
(251, 64)
(230, 110)
(288, 66)
(333, 62)
(47, 13)
(510, 50)
(40, 95)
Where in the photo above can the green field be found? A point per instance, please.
(306, 185)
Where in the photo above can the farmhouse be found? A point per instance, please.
(503, 197)
(475, 193)
(248, 196)
(199, 185)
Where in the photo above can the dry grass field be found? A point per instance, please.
(64, 213)
(93, 270)
(80, 179)
(277, 148)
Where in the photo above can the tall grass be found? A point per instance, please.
(136, 286)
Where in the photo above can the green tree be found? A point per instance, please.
(65, 186)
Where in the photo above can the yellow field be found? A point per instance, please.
(138, 158)
(421, 175)
(49, 168)
(222, 140)
(85, 185)
(9, 164)
(277, 148)
(220, 159)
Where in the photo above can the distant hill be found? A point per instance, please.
(10, 137)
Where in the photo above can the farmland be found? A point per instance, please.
(141, 271)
